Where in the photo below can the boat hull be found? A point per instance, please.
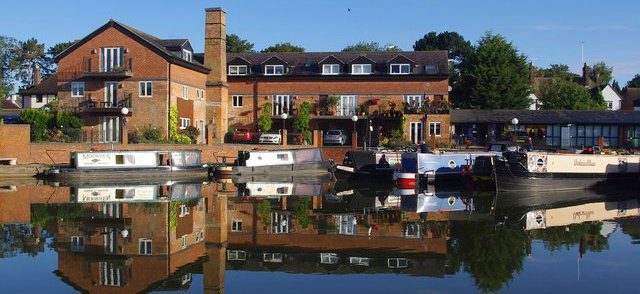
(302, 168)
(132, 175)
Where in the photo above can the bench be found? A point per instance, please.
(8, 161)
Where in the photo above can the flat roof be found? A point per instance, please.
(545, 116)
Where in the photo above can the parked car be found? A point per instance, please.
(272, 137)
(244, 136)
(335, 137)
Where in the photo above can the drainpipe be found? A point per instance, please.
(169, 103)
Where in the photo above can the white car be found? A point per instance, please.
(270, 138)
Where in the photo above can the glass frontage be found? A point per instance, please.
(633, 136)
(582, 135)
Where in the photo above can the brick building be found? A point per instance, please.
(117, 66)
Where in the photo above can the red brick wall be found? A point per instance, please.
(13, 142)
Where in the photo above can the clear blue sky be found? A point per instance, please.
(546, 31)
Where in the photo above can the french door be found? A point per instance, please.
(110, 94)
(281, 104)
(109, 129)
(348, 104)
(111, 58)
(415, 132)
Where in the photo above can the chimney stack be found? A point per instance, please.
(215, 58)
(37, 76)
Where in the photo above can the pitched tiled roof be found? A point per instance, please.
(48, 86)
(156, 44)
(9, 105)
(545, 116)
(307, 63)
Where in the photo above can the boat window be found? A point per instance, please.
(119, 193)
(283, 157)
(119, 159)
(164, 159)
(282, 190)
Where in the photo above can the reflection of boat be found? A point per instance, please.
(269, 186)
(131, 166)
(542, 171)
(135, 193)
(358, 164)
(298, 162)
(594, 211)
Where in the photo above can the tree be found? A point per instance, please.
(454, 43)
(264, 120)
(562, 94)
(601, 73)
(616, 86)
(39, 119)
(283, 47)
(52, 52)
(301, 123)
(633, 83)
(497, 75)
(8, 48)
(237, 45)
(561, 71)
(371, 47)
(28, 54)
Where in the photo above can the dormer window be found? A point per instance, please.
(187, 55)
(400, 69)
(361, 69)
(330, 69)
(237, 70)
(430, 68)
(274, 70)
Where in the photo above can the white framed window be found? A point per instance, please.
(236, 255)
(145, 246)
(346, 224)
(236, 225)
(199, 94)
(413, 100)
(238, 70)
(430, 68)
(77, 243)
(280, 104)
(187, 55)
(329, 258)
(236, 100)
(146, 89)
(330, 69)
(361, 261)
(184, 123)
(279, 223)
(272, 257)
(609, 105)
(274, 70)
(411, 230)
(397, 263)
(184, 210)
(200, 236)
(400, 69)
(361, 69)
(185, 92)
(184, 241)
(77, 89)
(110, 274)
(434, 129)
(109, 129)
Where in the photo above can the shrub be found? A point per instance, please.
(264, 120)
(301, 123)
(174, 136)
(68, 120)
(152, 135)
(39, 120)
(191, 132)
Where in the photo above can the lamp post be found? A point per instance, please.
(284, 116)
(514, 122)
(124, 111)
(354, 119)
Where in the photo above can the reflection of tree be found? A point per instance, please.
(491, 255)
(301, 208)
(43, 214)
(19, 239)
(585, 234)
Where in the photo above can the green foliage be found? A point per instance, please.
(39, 120)
(30, 53)
(616, 87)
(237, 45)
(395, 140)
(601, 73)
(52, 52)
(562, 94)
(152, 135)
(68, 120)
(8, 48)
(556, 238)
(301, 209)
(191, 132)
(633, 83)
(174, 208)
(264, 210)
(174, 135)
(264, 120)
(454, 43)
(301, 122)
(498, 75)
(283, 47)
(371, 47)
(560, 71)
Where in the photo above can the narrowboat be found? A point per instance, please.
(361, 164)
(159, 192)
(126, 166)
(281, 162)
(434, 168)
(548, 172)
(586, 212)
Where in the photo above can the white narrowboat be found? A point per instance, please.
(298, 162)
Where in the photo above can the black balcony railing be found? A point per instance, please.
(90, 68)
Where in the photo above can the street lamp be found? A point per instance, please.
(284, 116)
(354, 119)
(124, 111)
(514, 122)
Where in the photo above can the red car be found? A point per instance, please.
(244, 136)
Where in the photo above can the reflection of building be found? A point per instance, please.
(127, 247)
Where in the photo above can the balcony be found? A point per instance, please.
(90, 68)
(103, 107)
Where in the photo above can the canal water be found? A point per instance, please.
(313, 236)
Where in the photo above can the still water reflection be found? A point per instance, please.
(312, 235)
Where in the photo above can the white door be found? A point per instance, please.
(281, 103)
(109, 129)
(111, 58)
(110, 94)
(348, 104)
(415, 132)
